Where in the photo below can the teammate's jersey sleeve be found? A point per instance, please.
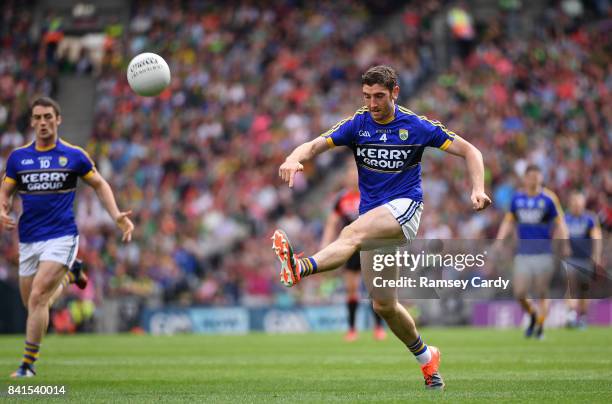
(86, 166)
(342, 133)
(436, 134)
(554, 206)
(11, 169)
(592, 223)
(512, 210)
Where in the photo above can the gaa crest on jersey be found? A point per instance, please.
(63, 160)
(403, 134)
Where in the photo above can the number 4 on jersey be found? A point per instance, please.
(384, 137)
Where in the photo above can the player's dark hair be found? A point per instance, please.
(533, 167)
(383, 75)
(46, 102)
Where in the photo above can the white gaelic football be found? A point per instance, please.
(148, 74)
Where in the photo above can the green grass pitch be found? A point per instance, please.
(479, 365)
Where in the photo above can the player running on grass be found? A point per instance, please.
(585, 259)
(387, 141)
(536, 213)
(45, 173)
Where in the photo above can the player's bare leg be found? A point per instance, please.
(542, 286)
(25, 287)
(44, 286)
(577, 305)
(351, 281)
(583, 310)
(75, 275)
(521, 289)
(373, 227)
(398, 319)
(58, 292)
(543, 305)
(385, 303)
(376, 228)
(401, 323)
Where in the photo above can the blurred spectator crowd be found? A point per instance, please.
(543, 99)
(198, 164)
(25, 70)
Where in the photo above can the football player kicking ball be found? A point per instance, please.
(45, 173)
(388, 142)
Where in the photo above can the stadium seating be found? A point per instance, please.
(198, 165)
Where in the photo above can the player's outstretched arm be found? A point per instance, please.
(596, 236)
(7, 188)
(475, 166)
(105, 194)
(302, 153)
(506, 228)
(561, 232)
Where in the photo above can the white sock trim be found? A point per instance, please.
(424, 358)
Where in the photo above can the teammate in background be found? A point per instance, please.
(346, 211)
(45, 173)
(534, 212)
(586, 249)
(388, 142)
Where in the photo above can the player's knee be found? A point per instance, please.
(352, 236)
(38, 298)
(520, 294)
(384, 308)
(526, 294)
(25, 300)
